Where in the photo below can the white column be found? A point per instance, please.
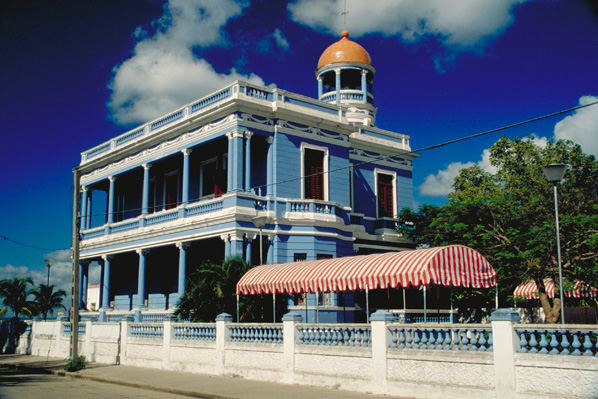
(221, 337)
(381, 339)
(290, 340)
(505, 345)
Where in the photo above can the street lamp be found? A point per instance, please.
(49, 263)
(554, 174)
(260, 222)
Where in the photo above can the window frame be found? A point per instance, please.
(393, 175)
(325, 161)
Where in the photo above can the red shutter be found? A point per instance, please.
(385, 196)
(314, 176)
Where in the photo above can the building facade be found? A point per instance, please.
(313, 178)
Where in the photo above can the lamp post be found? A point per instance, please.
(260, 222)
(554, 174)
(49, 263)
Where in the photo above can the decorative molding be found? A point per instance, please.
(147, 153)
(313, 130)
(380, 157)
(257, 119)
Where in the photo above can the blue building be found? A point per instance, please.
(314, 178)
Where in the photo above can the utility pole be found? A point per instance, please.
(74, 347)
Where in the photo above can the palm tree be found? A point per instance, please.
(211, 290)
(46, 300)
(14, 295)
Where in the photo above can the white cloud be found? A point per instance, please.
(280, 40)
(440, 184)
(460, 25)
(581, 127)
(163, 72)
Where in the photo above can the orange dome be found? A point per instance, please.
(344, 50)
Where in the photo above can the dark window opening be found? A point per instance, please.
(314, 174)
(385, 195)
(300, 257)
(171, 191)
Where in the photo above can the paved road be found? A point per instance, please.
(18, 384)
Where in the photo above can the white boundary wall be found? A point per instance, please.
(501, 373)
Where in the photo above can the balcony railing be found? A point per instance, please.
(237, 90)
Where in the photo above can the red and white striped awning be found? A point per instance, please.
(453, 265)
(529, 290)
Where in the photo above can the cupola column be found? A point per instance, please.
(364, 85)
(337, 71)
(320, 87)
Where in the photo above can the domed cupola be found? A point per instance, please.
(345, 76)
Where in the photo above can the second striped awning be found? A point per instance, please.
(529, 290)
(453, 265)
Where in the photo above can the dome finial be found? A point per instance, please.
(345, 34)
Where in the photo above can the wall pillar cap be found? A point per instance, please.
(382, 315)
(504, 315)
(224, 317)
(292, 316)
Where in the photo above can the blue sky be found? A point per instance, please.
(75, 73)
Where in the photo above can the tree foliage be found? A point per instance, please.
(509, 217)
(46, 299)
(14, 294)
(210, 289)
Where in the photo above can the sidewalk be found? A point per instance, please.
(187, 384)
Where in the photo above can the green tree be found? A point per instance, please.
(508, 216)
(14, 295)
(210, 289)
(46, 299)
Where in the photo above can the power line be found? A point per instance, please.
(32, 246)
(387, 157)
(381, 158)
